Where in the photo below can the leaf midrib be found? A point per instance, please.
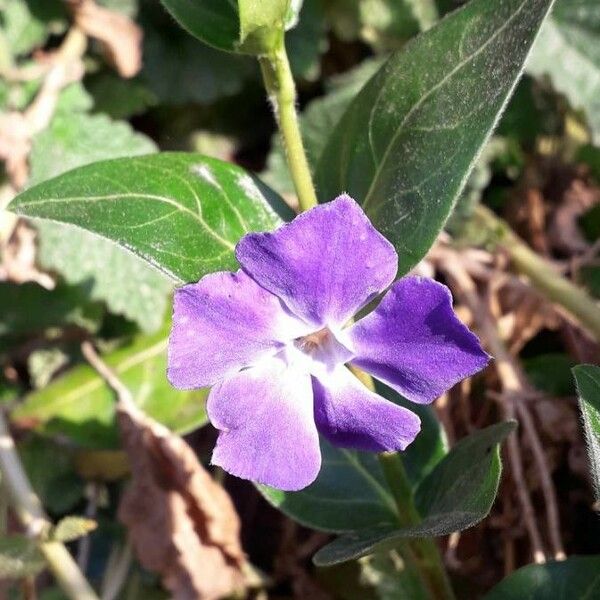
(143, 196)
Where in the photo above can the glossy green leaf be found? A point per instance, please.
(577, 578)
(215, 22)
(587, 378)
(183, 213)
(408, 142)
(127, 284)
(80, 406)
(19, 557)
(568, 51)
(350, 492)
(457, 494)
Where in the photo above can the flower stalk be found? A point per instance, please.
(280, 86)
(28, 508)
(423, 553)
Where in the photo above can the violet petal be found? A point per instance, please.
(224, 323)
(351, 416)
(414, 342)
(324, 265)
(267, 429)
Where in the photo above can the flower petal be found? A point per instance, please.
(267, 429)
(324, 265)
(414, 342)
(224, 323)
(351, 416)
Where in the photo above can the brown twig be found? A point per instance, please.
(515, 387)
(449, 262)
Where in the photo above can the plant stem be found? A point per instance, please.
(281, 88)
(423, 552)
(541, 273)
(30, 512)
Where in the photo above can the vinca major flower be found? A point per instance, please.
(274, 340)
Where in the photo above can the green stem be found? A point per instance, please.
(423, 552)
(281, 88)
(541, 273)
(28, 509)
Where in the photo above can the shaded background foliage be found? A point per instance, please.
(61, 286)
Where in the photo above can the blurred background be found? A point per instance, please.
(136, 83)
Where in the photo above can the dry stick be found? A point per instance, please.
(28, 509)
(515, 383)
(450, 263)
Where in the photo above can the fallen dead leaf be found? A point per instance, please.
(119, 36)
(181, 523)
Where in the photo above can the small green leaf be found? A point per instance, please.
(408, 142)
(81, 407)
(214, 22)
(182, 213)
(457, 494)
(19, 557)
(587, 378)
(248, 26)
(568, 51)
(350, 492)
(576, 578)
(71, 528)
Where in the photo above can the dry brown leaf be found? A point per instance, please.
(119, 36)
(15, 144)
(564, 232)
(181, 523)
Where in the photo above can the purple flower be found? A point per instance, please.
(273, 341)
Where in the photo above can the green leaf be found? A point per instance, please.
(214, 22)
(71, 528)
(108, 273)
(27, 24)
(457, 494)
(183, 213)
(19, 557)
(20, 312)
(80, 406)
(50, 468)
(551, 373)
(307, 41)
(568, 51)
(408, 142)
(119, 98)
(587, 378)
(576, 578)
(180, 69)
(249, 26)
(350, 492)
(127, 284)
